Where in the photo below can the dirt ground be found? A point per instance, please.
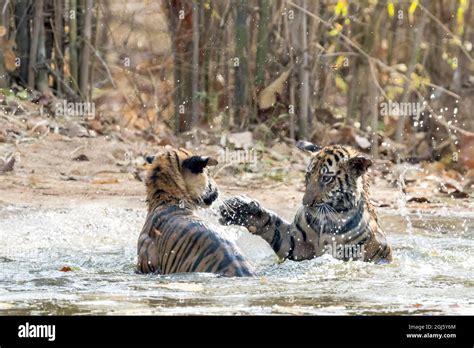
(58, 171)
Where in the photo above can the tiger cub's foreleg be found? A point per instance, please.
(243, 211)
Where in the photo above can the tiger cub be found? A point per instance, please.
(174, 239)
(336, 216)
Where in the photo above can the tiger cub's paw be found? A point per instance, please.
(242, 211)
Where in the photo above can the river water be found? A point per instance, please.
(433, 270)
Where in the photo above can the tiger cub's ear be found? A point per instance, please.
(149, 159)
(196, 164)
(359, 164)
(307, 146)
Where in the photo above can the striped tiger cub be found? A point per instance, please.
(174, 239)
(336, 216)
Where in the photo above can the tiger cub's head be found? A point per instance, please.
(335, 177)
(178, 176)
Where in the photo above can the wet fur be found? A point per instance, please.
(336, 213)
(174, 239)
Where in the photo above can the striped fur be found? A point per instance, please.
(336, 217)
(174, 239)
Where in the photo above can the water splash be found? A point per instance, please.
(402, 200)
(99, 244)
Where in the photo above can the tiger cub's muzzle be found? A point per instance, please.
(312, 196)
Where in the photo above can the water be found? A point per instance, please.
(433, 270)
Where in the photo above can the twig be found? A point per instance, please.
(71, 92)
(4, 17)
(456, 38)
(365, 54)
(376, 81)
(106, 67)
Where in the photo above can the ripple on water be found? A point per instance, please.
(432, 272)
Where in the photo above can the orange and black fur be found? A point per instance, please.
(336, 216)
(174, 239)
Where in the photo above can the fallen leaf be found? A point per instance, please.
(458, 194)
(466, 152)
(434, 167)
(7, 166)
(267, 97)
(66, 269)
(103, 181)
(95, 125)
(68, 178)
(418, 200)
(81, 158)
(9, 59)
(76, 130)
(422, 206)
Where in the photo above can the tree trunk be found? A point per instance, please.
(23, 38)
(3, 71)
(85, 51)
(105, 19)
(240, 63)
(208, 58)
(58, 32)
(365, 75)
(37, 23)
(262, 43)
(41, 71)
(418, 35)
(374, 123)
(292, 82)
(304, 77)
(195, 68)
(180, 25)
(73, 62)
(227, 76)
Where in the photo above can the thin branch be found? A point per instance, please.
(68, 89)
(365, 54)
(456, 38)
(376, 81)
(106, 67)
(4, 17)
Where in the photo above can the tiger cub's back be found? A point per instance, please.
(186, 244)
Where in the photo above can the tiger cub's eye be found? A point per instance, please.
(326, 179)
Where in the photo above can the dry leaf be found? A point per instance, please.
(418, 200)
(66, 269)
(9, 58)
(466, 153)
(95, 125)
(458, 194)
(7, 166)
(141, 124)
(267, 97)
(103, 181)
(81, 158)
(129, 118)
(434, 167)
(423, 205)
